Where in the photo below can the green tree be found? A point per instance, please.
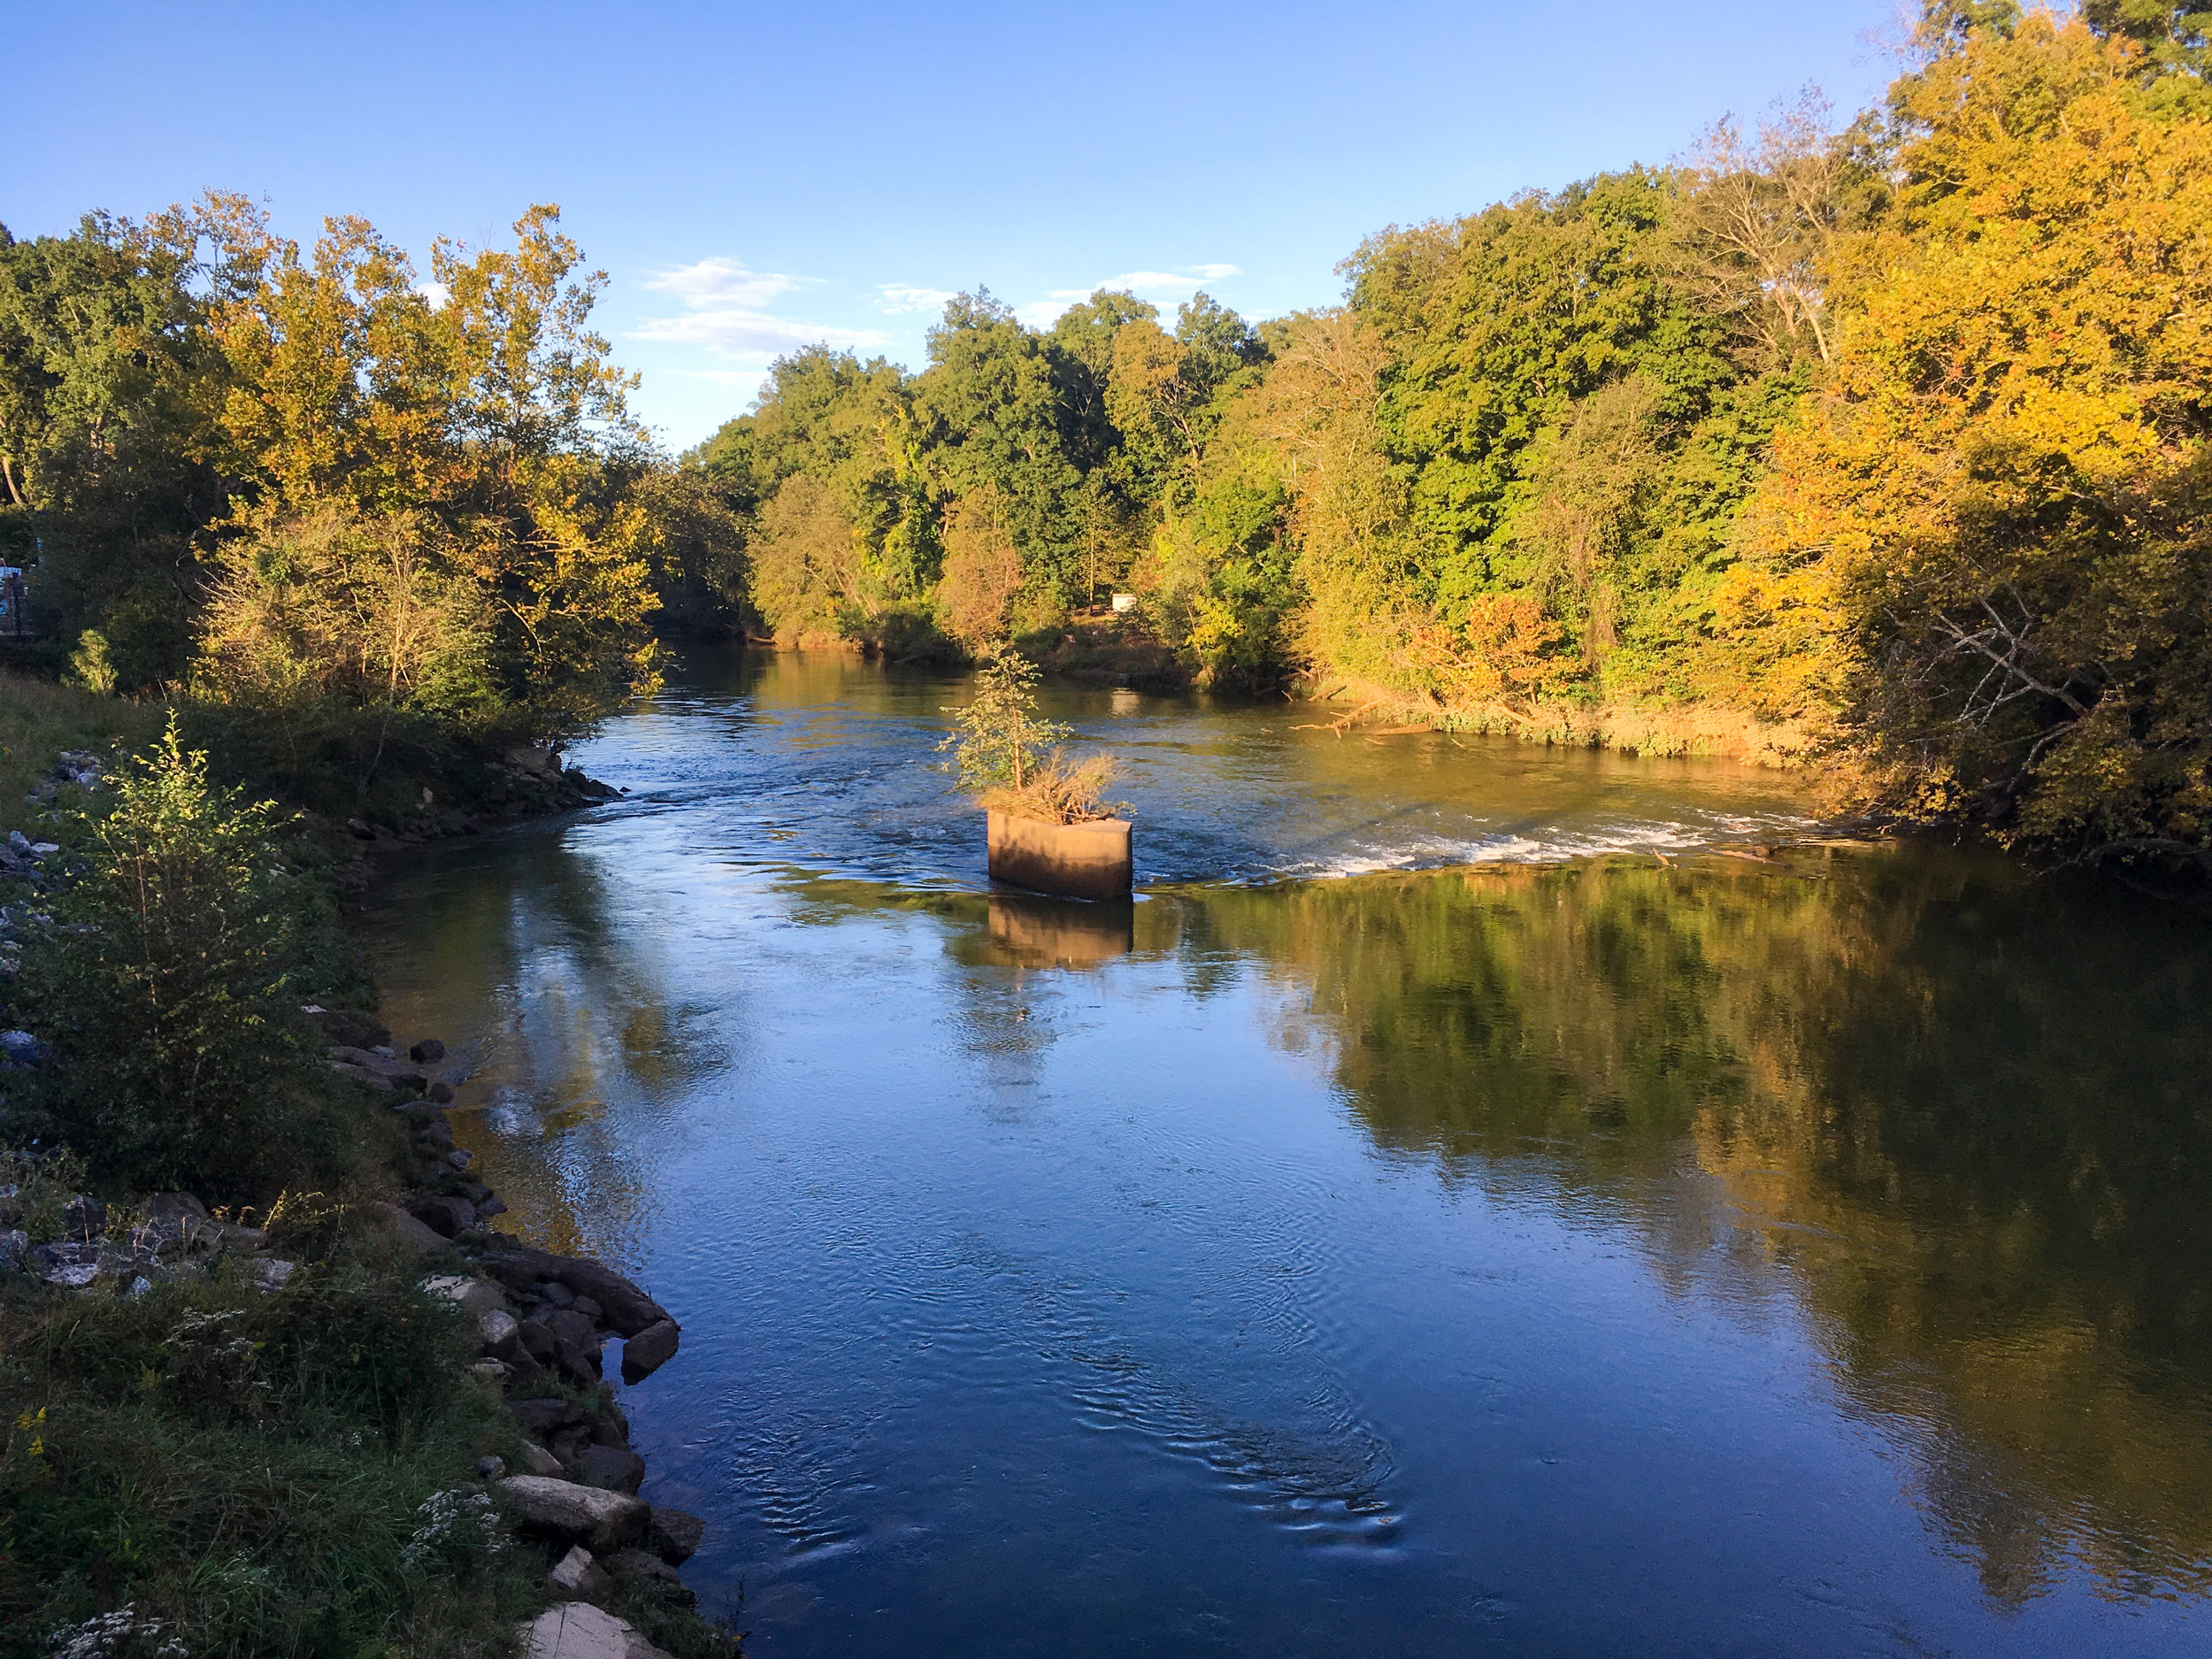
(106, 475)
(997, 391)
(493, 419)
(1000, 742)
(171, 994)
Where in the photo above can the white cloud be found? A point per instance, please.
(739, 334)
(1145, 284)
(723, 310)
(904, 297)
(1167, 287)
(723, 283)
(748, 378)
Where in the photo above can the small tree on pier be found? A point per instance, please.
(1006, 757)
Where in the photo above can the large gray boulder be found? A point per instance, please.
(371, 1066)
(616, 1468)
(174, 1223)
(648, 1350)
(544, 1414)
(442, 1213)
(674, 1536)
(601, 1521)
(639, 1566)
(407, 1230)
(626, 1308)
(477, 1296)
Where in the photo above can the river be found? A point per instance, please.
(1473, 1202)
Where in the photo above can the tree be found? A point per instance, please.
(320, 615)
(1999, 501)
(494, 415)
(983, 571)
(993, 388)
(806, 566)
(1011, 760)
(1759, 217)
(105, 377)
(171, 991)
(1591, 484)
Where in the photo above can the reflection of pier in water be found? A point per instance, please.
(1040, 933)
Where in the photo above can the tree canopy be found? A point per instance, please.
(1874, 442)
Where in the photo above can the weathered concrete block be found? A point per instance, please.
(1080, 860)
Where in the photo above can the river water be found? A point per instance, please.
(1471, 1203)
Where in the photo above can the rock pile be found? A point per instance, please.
(541, 1322)
(25, 861)
(78, 766)
(171, 1238)
(528, 779)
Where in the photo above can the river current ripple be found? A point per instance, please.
(1474, 1200)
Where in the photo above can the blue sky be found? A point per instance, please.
(753, 177)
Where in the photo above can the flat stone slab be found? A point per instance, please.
(577, 1630)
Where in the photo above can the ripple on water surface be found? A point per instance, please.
(1496, 1248)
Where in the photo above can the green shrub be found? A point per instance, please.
(1006, 757)
(169, 989)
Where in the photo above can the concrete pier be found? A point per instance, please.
(1076, 861)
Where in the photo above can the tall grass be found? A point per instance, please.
(249, 1468)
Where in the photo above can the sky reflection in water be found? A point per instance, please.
(1585, 1255)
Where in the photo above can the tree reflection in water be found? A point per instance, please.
(1965, 1124)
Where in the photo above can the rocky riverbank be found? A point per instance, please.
(529, 782)
(327, 1416)
(542, 1323)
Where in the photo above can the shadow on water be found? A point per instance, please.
(1598, 1244)
(1965, 1122)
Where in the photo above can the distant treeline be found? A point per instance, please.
(1880, 447)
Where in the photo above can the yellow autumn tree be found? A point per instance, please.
(1995, 508)
(475, 418)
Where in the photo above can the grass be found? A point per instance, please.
(39, 719)
(1670, 730)
(251, 1468)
